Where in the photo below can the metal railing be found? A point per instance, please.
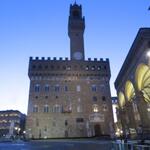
(129, 146)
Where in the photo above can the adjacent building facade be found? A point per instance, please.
(133, 86)
(12, 122)
(69, 97)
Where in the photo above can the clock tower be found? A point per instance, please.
(76, 28)
(69, 97)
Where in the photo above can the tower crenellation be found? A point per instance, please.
(67, 59)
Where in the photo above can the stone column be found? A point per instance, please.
(142, 108)
(123, 118)
(130, 114)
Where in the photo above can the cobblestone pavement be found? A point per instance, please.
(58, 145)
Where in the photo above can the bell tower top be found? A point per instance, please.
(76, 26)
(76, 11)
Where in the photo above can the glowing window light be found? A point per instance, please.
(95, 108)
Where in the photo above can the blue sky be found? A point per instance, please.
(39, 28)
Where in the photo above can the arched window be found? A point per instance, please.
(105, 108)
(66, 88)
(99, 68)
(87, 68)
(95, 108)
(35, 108)
(94, 99)
(103, 98)
(46, 109)
(46, 88)
(93, 68)
(94, 89)
(57, 108)
(37, 88)
(57, 88)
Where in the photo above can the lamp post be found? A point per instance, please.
(148, 53)
(148, 56)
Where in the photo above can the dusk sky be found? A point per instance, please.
(39, 28)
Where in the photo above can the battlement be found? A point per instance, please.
(95, 59)
(49, 58)
(66, 59)
(53, 66)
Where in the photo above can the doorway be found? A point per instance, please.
(97, 129)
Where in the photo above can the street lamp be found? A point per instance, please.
(148, 56)
(16, 128)
(148, 53)
(24, 132)
(119, 132)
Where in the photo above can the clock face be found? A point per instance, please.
(78, 55)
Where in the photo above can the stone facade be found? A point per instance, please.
(133, 85)
(69, 97)
(12, 122)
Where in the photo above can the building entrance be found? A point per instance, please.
(97, 129)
